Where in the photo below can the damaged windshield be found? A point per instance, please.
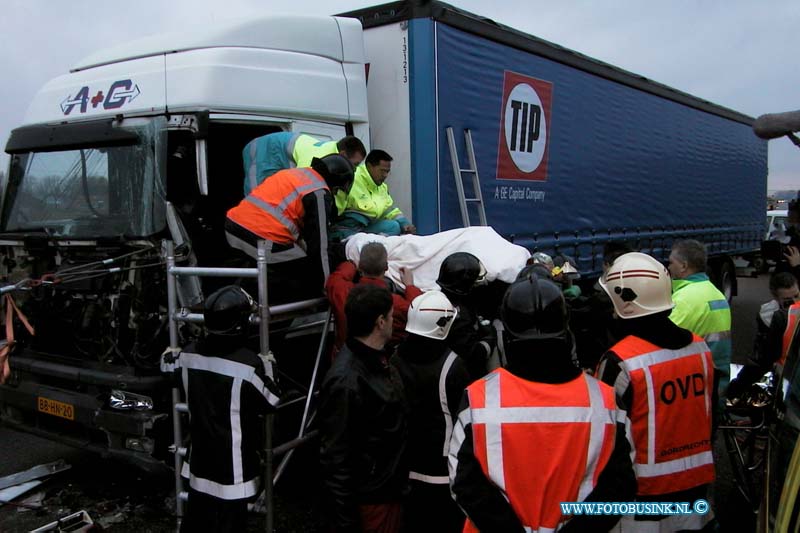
(91, 192)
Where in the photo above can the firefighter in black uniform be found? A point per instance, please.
(228, 387)
(459, 275)
(434, 378)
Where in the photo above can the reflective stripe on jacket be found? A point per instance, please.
(367, 199)
(274, 210)
(670, 413)
(266, 155)
(541, 444)
(226, 394)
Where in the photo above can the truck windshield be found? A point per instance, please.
(91, 192)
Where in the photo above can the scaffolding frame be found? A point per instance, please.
(265, 313)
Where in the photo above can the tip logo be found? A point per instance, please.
(118, 94)
(525, 128)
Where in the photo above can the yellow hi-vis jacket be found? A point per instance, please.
(271, 153)
(702, 309)
(369, 200)
(306, 148)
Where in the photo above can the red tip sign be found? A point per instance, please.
(524, 129)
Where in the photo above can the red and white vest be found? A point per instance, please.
(542, 444)
(670, 413)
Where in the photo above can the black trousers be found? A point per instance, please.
(430, 507)
(207, 513)
(291, 277)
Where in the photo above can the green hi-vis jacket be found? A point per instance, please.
(702, 309)
(368, 200)
(268, 154)
(306, 148)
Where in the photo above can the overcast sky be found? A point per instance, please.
(741, 54)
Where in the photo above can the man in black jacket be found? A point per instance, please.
(434, 378)
(364, 421)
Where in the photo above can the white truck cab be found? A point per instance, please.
(102, 150)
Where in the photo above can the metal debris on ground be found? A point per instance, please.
(8, 495)
(119, 515)
(74, 523)
(34, 502)
(36, 472)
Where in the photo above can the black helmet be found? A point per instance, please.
(335, 169)
(537, 269)
(227, 311)
(534, 308)
(460, 272)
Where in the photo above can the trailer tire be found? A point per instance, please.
(760, 266)
(726, 279)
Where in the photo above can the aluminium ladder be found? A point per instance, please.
(458, 173)
(265, 314)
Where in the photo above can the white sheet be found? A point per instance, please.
(423, 255)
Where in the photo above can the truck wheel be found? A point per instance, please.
(727, 279)
(759, 267)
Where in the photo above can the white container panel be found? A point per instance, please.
(387, 88)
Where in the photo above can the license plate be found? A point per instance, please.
(56, 408)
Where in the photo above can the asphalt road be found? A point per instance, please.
(123, 500)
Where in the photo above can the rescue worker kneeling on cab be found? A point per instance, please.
(291, 211)
(434, 378)
(369, 207)
(227, 389)
(663, 376)
(539, 432)
(271, 153)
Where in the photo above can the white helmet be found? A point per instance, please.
(638, 285)
(431, 315)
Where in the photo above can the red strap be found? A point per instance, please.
(12, 304)
(5, 351)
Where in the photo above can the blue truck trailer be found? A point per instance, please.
(571, 152)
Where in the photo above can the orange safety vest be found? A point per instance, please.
(788, 334)
(274, 209)
(670, 413)
(540, 443)
(782, 383)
